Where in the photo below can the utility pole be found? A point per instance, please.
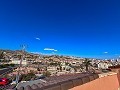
(20, 65)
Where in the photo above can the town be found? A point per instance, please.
(30, 66)
(59, 45)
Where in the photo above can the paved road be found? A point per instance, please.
(5, 70)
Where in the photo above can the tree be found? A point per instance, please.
(19, 56)
(54, 64)
(1, 55)
(60, 66)
(87, 63)
(38, 69)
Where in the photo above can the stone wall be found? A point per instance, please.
(104, 81)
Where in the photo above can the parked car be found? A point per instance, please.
(4, 81)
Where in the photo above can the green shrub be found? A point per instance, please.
(27, 77)
(47, 73)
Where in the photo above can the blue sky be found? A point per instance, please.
(87, 28)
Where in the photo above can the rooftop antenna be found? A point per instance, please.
(20, 65)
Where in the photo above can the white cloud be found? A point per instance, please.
(50, 49)
(37, 38)
(55, 50)
(105, 52)
(36, 52)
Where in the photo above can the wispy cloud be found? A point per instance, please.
(105, 52)
(37, 38)
(50, 49)
(36, 52)
(55, 50)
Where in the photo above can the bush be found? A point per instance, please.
(12, 65)
(47, 73)
(27, 77)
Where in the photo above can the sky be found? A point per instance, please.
(85, 28)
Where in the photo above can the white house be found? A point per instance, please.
(104, 65)
(24, 62)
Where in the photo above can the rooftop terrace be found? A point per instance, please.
(62, 82)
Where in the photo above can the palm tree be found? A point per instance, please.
(87, 63)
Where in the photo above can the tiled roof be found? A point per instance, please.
(62, 82)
